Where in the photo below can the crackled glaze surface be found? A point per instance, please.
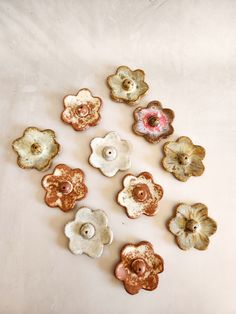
(89, 232)
(139, 267)
(82, 110)
(64, 187)
(153, 122)
(183, 158)
(36, 148)
(192, 226)
(127, 85)
(140, 195)
(110, 154)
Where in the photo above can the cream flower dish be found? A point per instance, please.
(89, 232)
(127, 85)
(192, 226)
(110, 154)
(36, 148)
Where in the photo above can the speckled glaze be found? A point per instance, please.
(82, 110)
(110, 154)
(140, 195)
(89, 232)
(183, 158)
(36, 148)
(139, 267)
(127, 85)
(64, 187)
(192, 226)
(153, 122)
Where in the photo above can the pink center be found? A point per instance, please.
(161, 121)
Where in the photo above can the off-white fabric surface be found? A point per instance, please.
(49, 49)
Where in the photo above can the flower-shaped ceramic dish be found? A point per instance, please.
(139, 267)
(36, 148)
(81, 110)
(127, 85)
(153, 122)
(183, 158)
(110, 154)
(64, 187)
(140, 195)
(192, 226)
(89, 232)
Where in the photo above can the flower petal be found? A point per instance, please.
(169, 113)
(120, 272)
(199, 212)
(170, 163)
(114, 81)
(185, 210)
(185, 240)
(127, 180)
(196, 168)
(199, 151)
(177, 225)
(76, 245)
(112, 136)
(61, 170)
(139, 75)
(93, 248)
(158, 264)
(151, 282)
(208, 226)
(77, 176)
(106, 235)
(70, 229)
(109, 169)
(100, 217)
(124, 162)
(131, 288)
(95, 160)
(201, 241)
(181, 174)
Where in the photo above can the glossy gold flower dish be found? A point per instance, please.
(127, 85)
(36, 148)
(192, 226)
(183, 158)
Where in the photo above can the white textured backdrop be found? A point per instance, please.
(51, 48)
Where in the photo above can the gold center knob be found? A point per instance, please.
(192, 225)
(128, 84)
(36, 149)
(153, 121)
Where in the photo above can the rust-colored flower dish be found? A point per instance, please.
(139, 267)
(64, 187)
